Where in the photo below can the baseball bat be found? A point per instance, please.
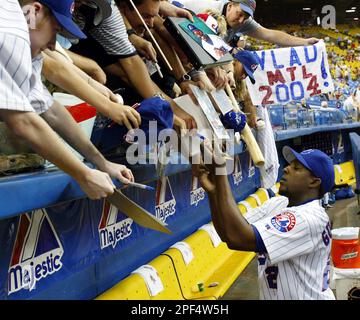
(247, 135)
(151, 35)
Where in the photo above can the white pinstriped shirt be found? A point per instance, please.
(21, 88)
(298, 243)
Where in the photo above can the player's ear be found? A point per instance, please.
(229, 7)
(37, 6)
(315, 183)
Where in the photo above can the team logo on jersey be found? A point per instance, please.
(111, 229)
(284, 222)
(165, 200)
(37, 252)
(197, 193)
(237, 175)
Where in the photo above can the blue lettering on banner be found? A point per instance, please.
(282, 98)
(294, 58)
(307, 58)
(276, 66)
(292, 90)
(261, 59)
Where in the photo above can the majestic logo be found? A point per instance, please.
(237, 175)
(197, 193)
(165, 200)
(284, 222)
(36, 254)
(111, 231)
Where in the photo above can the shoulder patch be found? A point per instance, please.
(284, 222)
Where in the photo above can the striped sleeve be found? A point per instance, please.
(285, 235)
(15, 72)
(12, 20)
(39, 97)
(112, 36)
(269, 208)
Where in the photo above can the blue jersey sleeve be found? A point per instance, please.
(260, 246)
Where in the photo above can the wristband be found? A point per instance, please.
(130, 32)
(185, 77)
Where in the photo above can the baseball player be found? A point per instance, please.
(290, 233)
(23, 97)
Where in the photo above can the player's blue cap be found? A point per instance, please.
(317, 162)
(248, 6)
(63, 11)
(250, 61)
(151, 109)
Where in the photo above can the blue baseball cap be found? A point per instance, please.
(63, 11)
(248, 6)
(234, 120)
(250, 61)
(316, 161)
(151, 109)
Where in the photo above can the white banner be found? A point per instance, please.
(289, 74)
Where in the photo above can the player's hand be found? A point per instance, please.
(231, 79)
(179, 125)
(311, 41)
(118, 171)
(177, 90)
(211, 163)
(124, 115)
(185, 87)
(96, 184)
(203, 82)
(190, 122)
(144, 47)
(206, 178)
(218, 77)
(252, 120)
(169, 10)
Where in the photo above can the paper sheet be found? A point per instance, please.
(185, 250)
(151, 278)
(215, 239)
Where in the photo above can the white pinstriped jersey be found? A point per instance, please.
(12, 20)
(298, 243)
(21, 87)
(39, 96)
